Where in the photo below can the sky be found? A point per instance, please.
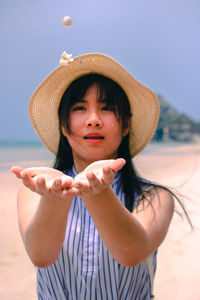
(157, 41)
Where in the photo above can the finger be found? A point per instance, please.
(108, 175)
(17, 171)
(117, 164)
(67, 182)
(82, 186)
(28, 181)
(93, 180)
(70, 192)
(57, 185)
(40, 186)
(98, 184)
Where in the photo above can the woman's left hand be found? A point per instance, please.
(97, 176)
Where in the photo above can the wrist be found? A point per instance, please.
(56, 201)
(105, 193)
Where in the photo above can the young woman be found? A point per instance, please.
(90, 223)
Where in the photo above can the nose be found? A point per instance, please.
(94, 120)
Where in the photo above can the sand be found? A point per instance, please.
(178, 270)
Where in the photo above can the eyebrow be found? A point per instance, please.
(85, 101)
(102, 100)
(81, 101)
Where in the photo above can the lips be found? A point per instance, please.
(94, 136)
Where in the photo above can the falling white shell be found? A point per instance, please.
(67, 21)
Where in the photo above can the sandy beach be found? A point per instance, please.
(178, 270)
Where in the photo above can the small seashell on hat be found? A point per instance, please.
(66, 58)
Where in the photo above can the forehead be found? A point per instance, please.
(95, 92)
(104, 89)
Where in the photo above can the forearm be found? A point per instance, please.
(42, 219)
(44, 235)
(120, 231)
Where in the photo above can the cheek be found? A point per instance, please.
(75, 123)
(114, 130)
(115, 125)
(74, 127)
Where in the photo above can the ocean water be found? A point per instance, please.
(21, 153)
(26, 153)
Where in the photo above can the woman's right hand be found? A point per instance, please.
(43, 204)
(45, 181)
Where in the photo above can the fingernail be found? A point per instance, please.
(90, 176)
(23, 175)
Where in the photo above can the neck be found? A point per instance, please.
(80, 164)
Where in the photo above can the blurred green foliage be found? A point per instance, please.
(174, 125)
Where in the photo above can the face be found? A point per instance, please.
(96, 132)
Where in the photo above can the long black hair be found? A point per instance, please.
(116, 98)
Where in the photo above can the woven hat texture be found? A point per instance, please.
(44, 103)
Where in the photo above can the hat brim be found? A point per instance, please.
(44, 103)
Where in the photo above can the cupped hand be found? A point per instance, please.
(97, 176)
(45, 181)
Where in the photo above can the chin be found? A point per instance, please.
(101, 157)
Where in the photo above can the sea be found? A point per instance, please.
(23, 154)
(31, 153)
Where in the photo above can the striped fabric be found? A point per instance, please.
(85, 269)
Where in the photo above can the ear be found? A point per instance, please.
(127, 128)
(64, 131)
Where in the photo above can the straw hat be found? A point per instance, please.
(44, 103)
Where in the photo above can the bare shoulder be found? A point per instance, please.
(157, 193)
(156, 201)
(160, 198)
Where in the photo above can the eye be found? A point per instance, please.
(78, 107)
(107, 108)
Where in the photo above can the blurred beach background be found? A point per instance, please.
(158, 42)
(173, 164)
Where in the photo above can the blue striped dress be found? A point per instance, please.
(85, 269)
